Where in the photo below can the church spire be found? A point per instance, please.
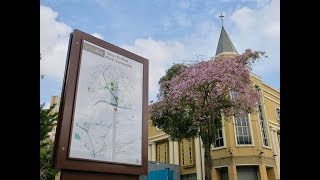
(225, 44)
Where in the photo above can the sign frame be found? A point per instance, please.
(67, 108)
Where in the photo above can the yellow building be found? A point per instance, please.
(246, 148)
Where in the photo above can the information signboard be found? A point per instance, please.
(103, 112)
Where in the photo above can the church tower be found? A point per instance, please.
(225, 45)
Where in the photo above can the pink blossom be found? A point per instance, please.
(207, 87)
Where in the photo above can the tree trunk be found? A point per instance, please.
(207, 163)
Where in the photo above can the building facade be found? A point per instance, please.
(247, 148)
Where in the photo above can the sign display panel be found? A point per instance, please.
(103, 112)
(108, 107)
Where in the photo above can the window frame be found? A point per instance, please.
(251, 134)
(223, 136)
(265, 120)
(162, 150)
(185, 163)
(234, 128)
(278, 117)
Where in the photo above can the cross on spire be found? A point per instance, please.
(221, 19)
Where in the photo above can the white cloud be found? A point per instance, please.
(160, 55)
(54, 38)
(259, 29)
(262, 21)
(273, 30)
(97, 35)
(244, 18)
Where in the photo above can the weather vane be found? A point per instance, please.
(221, 18)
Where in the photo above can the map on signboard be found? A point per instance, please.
(107, 124)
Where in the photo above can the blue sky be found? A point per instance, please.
(163, 31)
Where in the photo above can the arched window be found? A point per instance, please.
(261, 118)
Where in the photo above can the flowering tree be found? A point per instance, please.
(193, 99)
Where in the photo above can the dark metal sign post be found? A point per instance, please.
(102, 127)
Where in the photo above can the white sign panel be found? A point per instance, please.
(107, 124)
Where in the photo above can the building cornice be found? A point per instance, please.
(225, 53)
(273, 124)
(271, 87)
(158, 137)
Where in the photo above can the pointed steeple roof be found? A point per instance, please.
(225, 44)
